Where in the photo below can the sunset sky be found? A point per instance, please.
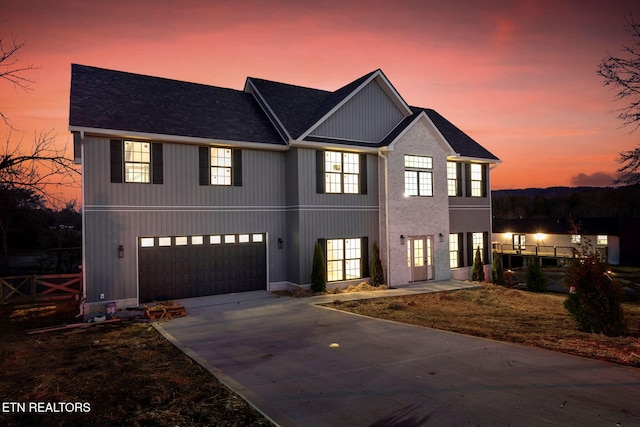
(517, 76)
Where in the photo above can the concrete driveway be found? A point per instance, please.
(300, 364)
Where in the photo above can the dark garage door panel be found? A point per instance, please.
(192, 271)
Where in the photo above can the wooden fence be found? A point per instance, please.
(50, 287)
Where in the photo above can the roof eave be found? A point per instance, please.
(333, 146)
(123, 134)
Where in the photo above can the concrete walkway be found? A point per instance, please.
(301, 364)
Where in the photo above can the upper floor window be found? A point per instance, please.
(136, 162)
(418, 176)
(453, 179)
(476, 180)
(601, 239)
(220, 166)
(576, 238)
(341, 173)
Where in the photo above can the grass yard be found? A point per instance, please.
(127, 372)
(130, 375)
(498, 313)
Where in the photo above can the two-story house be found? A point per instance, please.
(192, 190)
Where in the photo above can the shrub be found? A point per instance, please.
(497, 272)
(318, 271)
(595, 298)
(377, 273)
(536, 280)
(477, 274)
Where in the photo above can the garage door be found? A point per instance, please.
(175, 267)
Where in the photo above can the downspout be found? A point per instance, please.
(386, 217)
(84, 231)
(490, 213)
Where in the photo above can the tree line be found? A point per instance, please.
(565, 202)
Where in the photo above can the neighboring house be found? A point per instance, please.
(551, 239)
(192, 190)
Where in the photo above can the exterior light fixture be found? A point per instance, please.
(441, 237)
(280, 243)
(540, 236)
(402, 237)
(120, 251)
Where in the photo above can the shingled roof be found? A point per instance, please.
(461, 143)
(295, 106)
(115, 100)
(118, 101)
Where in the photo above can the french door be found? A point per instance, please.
(420, 257)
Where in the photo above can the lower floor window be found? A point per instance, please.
(344, 259)
(478, 243)
(454, 251)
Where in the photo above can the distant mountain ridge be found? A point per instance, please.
(549, 191)
(562, 202)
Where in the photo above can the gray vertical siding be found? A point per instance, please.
(106, 230)
(278, 197)
(368, 116)
(263, 180)
(325, 216)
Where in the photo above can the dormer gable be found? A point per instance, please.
(364, 111)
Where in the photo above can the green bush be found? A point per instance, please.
(536, 280)
(595, 298)
(497, 272)
(477, 273)
(318, 271)
(377, 273)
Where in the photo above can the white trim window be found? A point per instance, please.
(453, 183)
(418, 176)
(137, 161)
(476, 180)
(341, 172)
(454, 251)
(221, 166)
(344, 259)
(477, 240)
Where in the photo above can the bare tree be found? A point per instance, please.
(40, 169)
(30, 179)
(10, 68)
(43, 165)
(623, 73)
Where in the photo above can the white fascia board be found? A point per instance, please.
(333, 146)
(391, 90)
(443, 140)
(177, 139)
(377, 75)
(474, 159)
(249, 87)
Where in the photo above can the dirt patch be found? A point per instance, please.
(538, 320)
(125, 373)
(300, 292)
